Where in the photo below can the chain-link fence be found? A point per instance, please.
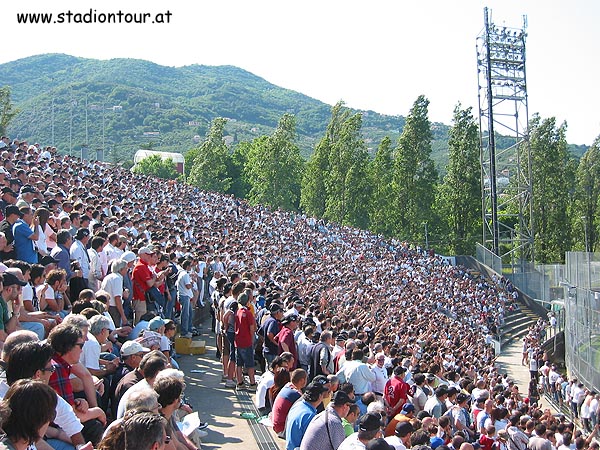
(582, 326)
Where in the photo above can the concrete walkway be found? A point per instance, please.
(509, 362)
(221, 407)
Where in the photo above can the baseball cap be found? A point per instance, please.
(408, 408)
(341, 398)
(461, 397)
(403, 428)
(441, 390)
(290, 318)
(8, 279)
(313, 390)
(132, 347)
(27, 189)
(82, 233)
(48, 260)
(12, 209)
(145, 251)
(370, 422)
(128, 256)
(275, 307)
(320, 379)
(156, 323)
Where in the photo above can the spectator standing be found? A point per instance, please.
(381, 375)
(285, 338)
(113, 284)
(321, 359)
(396, 391)
(245, 327)
(184, 295)
(78, 252)
(143, 279)
(6, 226)
(96, 274)
(25, 231)
(269, 329)
(358, 373)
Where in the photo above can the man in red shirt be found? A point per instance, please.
(245, 326)
(396, 392)
(285, 338)
(143, 279)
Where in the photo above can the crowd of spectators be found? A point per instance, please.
(356, 337)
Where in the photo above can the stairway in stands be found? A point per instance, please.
(516, 324)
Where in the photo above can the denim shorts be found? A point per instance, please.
(245, 357)
(231, 339)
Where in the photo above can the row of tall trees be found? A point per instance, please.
(397, 191)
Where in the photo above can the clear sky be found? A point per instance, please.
(377, 55)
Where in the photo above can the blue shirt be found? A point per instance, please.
(297, 422)
(23, 245)
(62, 254)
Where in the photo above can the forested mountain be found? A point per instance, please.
(133, 103)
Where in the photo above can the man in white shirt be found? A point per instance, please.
(185, 293)
(113, 284)
(381, 375)
(357, 373)
(100, 329)
(78, 251)
(401, 438)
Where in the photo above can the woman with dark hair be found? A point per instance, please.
(46, 235)
(27, 410)
(281, 378)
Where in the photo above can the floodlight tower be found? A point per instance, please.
(505, 153)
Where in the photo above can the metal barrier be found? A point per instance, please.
(582, 318)
(488, 258)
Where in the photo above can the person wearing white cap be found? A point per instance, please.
(132, 353)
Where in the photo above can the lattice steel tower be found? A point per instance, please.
(504, 140)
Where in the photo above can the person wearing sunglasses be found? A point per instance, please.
(33, 360)
(67, 341)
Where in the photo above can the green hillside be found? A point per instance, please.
(133, 103)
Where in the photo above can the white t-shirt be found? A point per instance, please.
(27, 293)
(41, 243)
(182, 280)
(395, 442)
(48, 295)
(113, 284)
(90, 356)
(352, 443)
(165, 344)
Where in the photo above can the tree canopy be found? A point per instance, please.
(155, 166)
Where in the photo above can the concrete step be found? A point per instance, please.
(516, 324)
(517, 321)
